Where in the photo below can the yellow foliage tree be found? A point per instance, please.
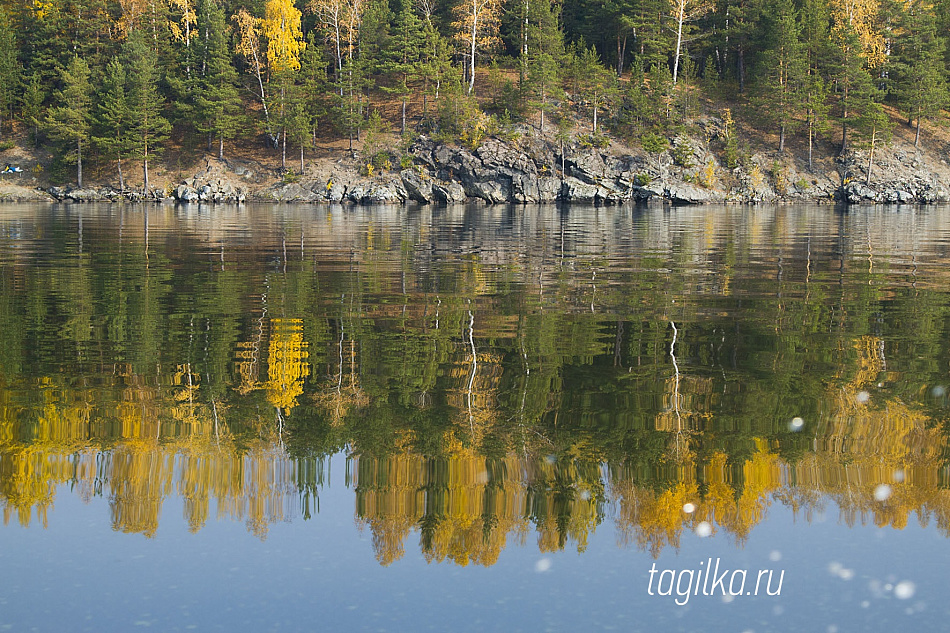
(476, 27)
(281, 27)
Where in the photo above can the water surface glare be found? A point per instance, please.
(474, 418)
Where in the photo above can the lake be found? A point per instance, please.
(272, 418)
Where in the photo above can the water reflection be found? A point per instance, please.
(492, 375)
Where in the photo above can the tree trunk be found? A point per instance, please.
(301, 159)
(679, 38)
(403, 116)
(121, 177)
(221, 147)
(79, 162)
(811, 136)
(781, 140)
(867, 181)
(917, 133)
(471, 79)
(740, 68)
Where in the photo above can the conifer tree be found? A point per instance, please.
(149, 126)
(403, 54)
(544, 52)
(218, 104)
(783, 75)
(69, 120)
(31, 107)
(112, 125)
(9, 69)
(918, 70)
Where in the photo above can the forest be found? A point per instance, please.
(117, 82)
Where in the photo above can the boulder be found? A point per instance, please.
(448, 192)
(417, 188)
(186, 194)
(575, 190)
(83, 195)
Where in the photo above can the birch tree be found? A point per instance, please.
(476, 28)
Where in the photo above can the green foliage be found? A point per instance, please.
(31, 108)
(779, 173)
(218, 107)
(683, 154)
(9, 69)
(654, 143)
(113, 128)
(729, 140)
(69, 121)
(146, 105)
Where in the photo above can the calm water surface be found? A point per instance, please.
(273, 418)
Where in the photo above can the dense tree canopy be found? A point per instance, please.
(811, 68)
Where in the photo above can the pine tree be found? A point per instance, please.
(855, 87)
(9, 69)
(918, 70)
(69, 121)
(544, 52)
(599, 84)
(218, 104)
(112, 125)
(146, 105)
(31, 107)
(403, 54)
(784, 72)
(312, 82)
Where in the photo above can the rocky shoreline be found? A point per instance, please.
(534, 170)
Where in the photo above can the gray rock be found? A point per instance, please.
(448, 192)
(382, 194)
(356, 194)
(337, 193)
(575, 190)
(417, 188)
(186, 194)
(83, 195)
(587, 166)
(687, 193)
(488, 190)
(548, 189)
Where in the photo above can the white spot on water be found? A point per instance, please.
(796, 424)
(689, 508)
(834, 568)
(882, 492)
(832, 628)
(703, 529)
(862, 397)
(543, 565)
(905, 589)
(846, 574)
(898, 476)
(551, 460)
(778, 610)
(865, 604)
(727, 598)
(585, 495)
(775, 556)
(939, 391)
